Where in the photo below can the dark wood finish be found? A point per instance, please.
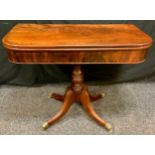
(76, 44)
(68, 100)
(66, 36)
(77, 92)
(77, 57)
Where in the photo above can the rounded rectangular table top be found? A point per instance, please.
(75, 36)
(76, 44)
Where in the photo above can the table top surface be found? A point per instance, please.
(76, 44)
(78, 36)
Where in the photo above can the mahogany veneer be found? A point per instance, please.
(76, 44)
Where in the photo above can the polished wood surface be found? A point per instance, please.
(76, 44)
(52, 36)
(77, 92)
(78, 57)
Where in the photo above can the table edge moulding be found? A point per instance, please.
(76, 44)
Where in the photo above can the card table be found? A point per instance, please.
(76, 44)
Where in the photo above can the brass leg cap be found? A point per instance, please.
(108, 127)
(45, 125)
(103, 94)
(49, 95)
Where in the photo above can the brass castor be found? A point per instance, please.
(103, 94)
(50, 95)
(45, 125)
(108, 127)
(77, 92)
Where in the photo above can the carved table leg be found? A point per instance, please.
(95, 97)
(77, 92)
(85, 100)
(57, 96)
(68, 100)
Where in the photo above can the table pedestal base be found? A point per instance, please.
(77, 92)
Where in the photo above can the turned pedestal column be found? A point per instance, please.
(76, 44)
(77, 92)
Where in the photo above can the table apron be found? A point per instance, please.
(77, 57)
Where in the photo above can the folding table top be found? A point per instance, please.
(66, 36)
(76, 44)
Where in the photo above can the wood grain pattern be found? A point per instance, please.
(77, 57)
(77, 92)
(50, 36)
(76, 44)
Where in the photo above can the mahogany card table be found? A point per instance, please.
(76, 44)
